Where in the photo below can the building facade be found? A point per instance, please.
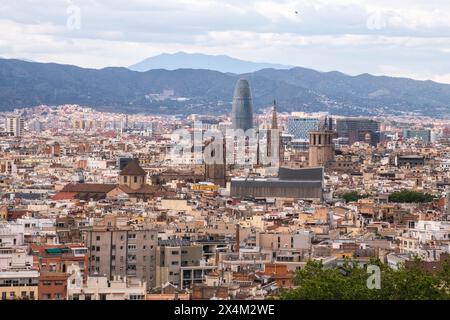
(123, 252)
(300, 127)
(14, 126)
(242, 111)
(358, 130)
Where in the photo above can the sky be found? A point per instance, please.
(405, 38)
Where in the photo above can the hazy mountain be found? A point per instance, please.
(25, 84)
(182, 60)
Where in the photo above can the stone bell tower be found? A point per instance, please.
(321, 146)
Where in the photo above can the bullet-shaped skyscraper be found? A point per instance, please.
(242, 112)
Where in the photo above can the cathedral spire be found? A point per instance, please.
(274, 115)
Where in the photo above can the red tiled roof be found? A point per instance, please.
(146, 189)
(89, 187)
(64, 196)
(133, 169)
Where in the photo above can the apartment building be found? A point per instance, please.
(52, 285)
(14, 126)
(102, 288)
(125, 252)
(427, 239)
(18, 280)
(175, 261)
(20, 283)
(58, 258)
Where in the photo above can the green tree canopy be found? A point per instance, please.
(352, 196)
(350, 283)
(408, 196)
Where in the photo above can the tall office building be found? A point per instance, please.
(300, 127)
(14, 126)
(424, 135)
(242, 111)
(358, 129)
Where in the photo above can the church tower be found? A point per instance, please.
(274, 133)
(217, 172)
(321, 147)
(132, 175)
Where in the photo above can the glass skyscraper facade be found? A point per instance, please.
(242, 112)
(300, 127)
(358, 129)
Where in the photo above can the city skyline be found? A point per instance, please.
(244, 188)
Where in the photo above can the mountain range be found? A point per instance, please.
(26, 84)
(182, 60)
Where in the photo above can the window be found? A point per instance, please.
(3, 295)
(132, 247)
(132, 236)
(98, 238)
(135, 179)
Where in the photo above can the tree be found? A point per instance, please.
(352, 196)
(407, 196)
(349, 282)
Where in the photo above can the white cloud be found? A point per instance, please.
(353, 36)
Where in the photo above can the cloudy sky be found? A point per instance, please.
(394, 37)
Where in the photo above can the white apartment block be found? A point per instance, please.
(100, 288)
(14, 126)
